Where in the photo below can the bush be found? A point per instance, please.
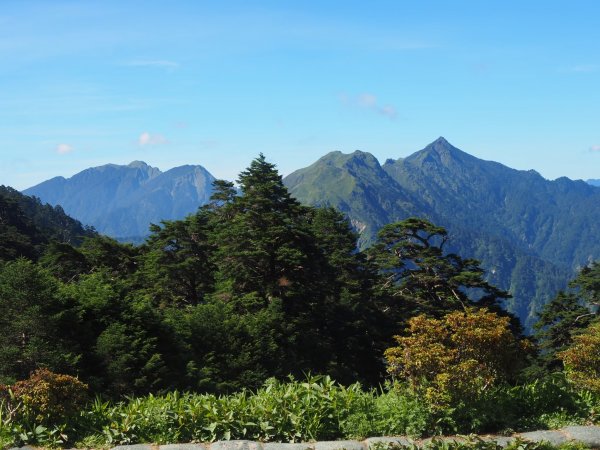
(582, 359)
(456, 359)
(49, 398)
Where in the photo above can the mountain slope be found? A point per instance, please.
(357, 185)
(529, 233)
(122, 201)
(27, 225)
(558, 221)
(594, 182)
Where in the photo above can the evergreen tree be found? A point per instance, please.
(64, 261)
(176, 263)
(33, 317)
(126, 346)
(559, 320)
(587, 284)
(418, 278)
(103, 252)
(262, 247)
(566, 316)
(270, 250)
(18, 236)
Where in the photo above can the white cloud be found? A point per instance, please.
(369, 102)
(146, 139)
(595, 148)
(63, 149)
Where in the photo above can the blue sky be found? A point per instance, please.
(85, 83)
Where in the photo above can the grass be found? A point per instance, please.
(294, 411)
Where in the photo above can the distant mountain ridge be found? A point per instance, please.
(593, 182)
(530, 233)
(122, 200)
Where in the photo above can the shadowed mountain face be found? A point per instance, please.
(122, 201)
(530, 233)
(27, 226)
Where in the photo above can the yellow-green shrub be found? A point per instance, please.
(48, 397)
(582, 359)
(456, 358)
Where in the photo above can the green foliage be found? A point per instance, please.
(314, 409)
(32, 317)
(564, 318)
(102, 252)
(587, 283)
(176, 262)
(27, 226)
(64, 261)
(51, 221)
(559, 321)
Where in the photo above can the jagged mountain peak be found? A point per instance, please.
(439, 151)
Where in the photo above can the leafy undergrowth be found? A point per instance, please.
(314, 409)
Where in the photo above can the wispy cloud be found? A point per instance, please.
(388, 110)
(595, 148)
(63, 149)
(148, 139)
(584, 68)
(369, 102)
(158, 63)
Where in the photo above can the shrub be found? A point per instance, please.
(582, 359)
(457, 358)
(49, 398)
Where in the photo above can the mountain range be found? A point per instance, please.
(122, 201)
(531, 234)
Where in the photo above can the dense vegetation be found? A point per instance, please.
(255, 288)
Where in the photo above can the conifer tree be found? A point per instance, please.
(419, 278)
(176, 264)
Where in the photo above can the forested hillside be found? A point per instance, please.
(27, 226)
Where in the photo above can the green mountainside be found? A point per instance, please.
(358, 186)
(27, 226)
(531, 234)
